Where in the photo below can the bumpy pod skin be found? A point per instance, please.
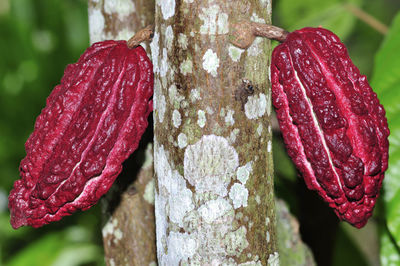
(333, 126)
(92, 122)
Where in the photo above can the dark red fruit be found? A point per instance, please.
(333, 126)
(92, 122)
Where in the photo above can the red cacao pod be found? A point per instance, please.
(333, 126)
(92, 122)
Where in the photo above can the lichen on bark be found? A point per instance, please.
(214, 190)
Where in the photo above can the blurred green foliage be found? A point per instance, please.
(329, 14)
(387, 81)
(40, 37)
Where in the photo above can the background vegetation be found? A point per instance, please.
(40, 37)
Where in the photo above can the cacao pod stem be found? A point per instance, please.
(243, 33)
(141, 36)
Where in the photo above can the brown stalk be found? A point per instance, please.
(141, 36)
(243, 33)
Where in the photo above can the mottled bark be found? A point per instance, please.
(292, 250)
(128, 233)
(212, 144)
(118, 19)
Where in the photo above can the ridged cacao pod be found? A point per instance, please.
(333, 126)
(92, 122)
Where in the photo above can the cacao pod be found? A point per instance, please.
(332, 124)
(92, 122)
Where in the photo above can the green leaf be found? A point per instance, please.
(77, 255)
(389, 254)
(69, 247)
(42, 252)
(386, 83)
(333, 15)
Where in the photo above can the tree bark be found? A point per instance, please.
(291, 248)
(212, 143)
(212, 136)
(128, 208)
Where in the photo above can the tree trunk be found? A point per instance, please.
(212, 143)
(292, 250)
(129, 230)
(212, 136)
